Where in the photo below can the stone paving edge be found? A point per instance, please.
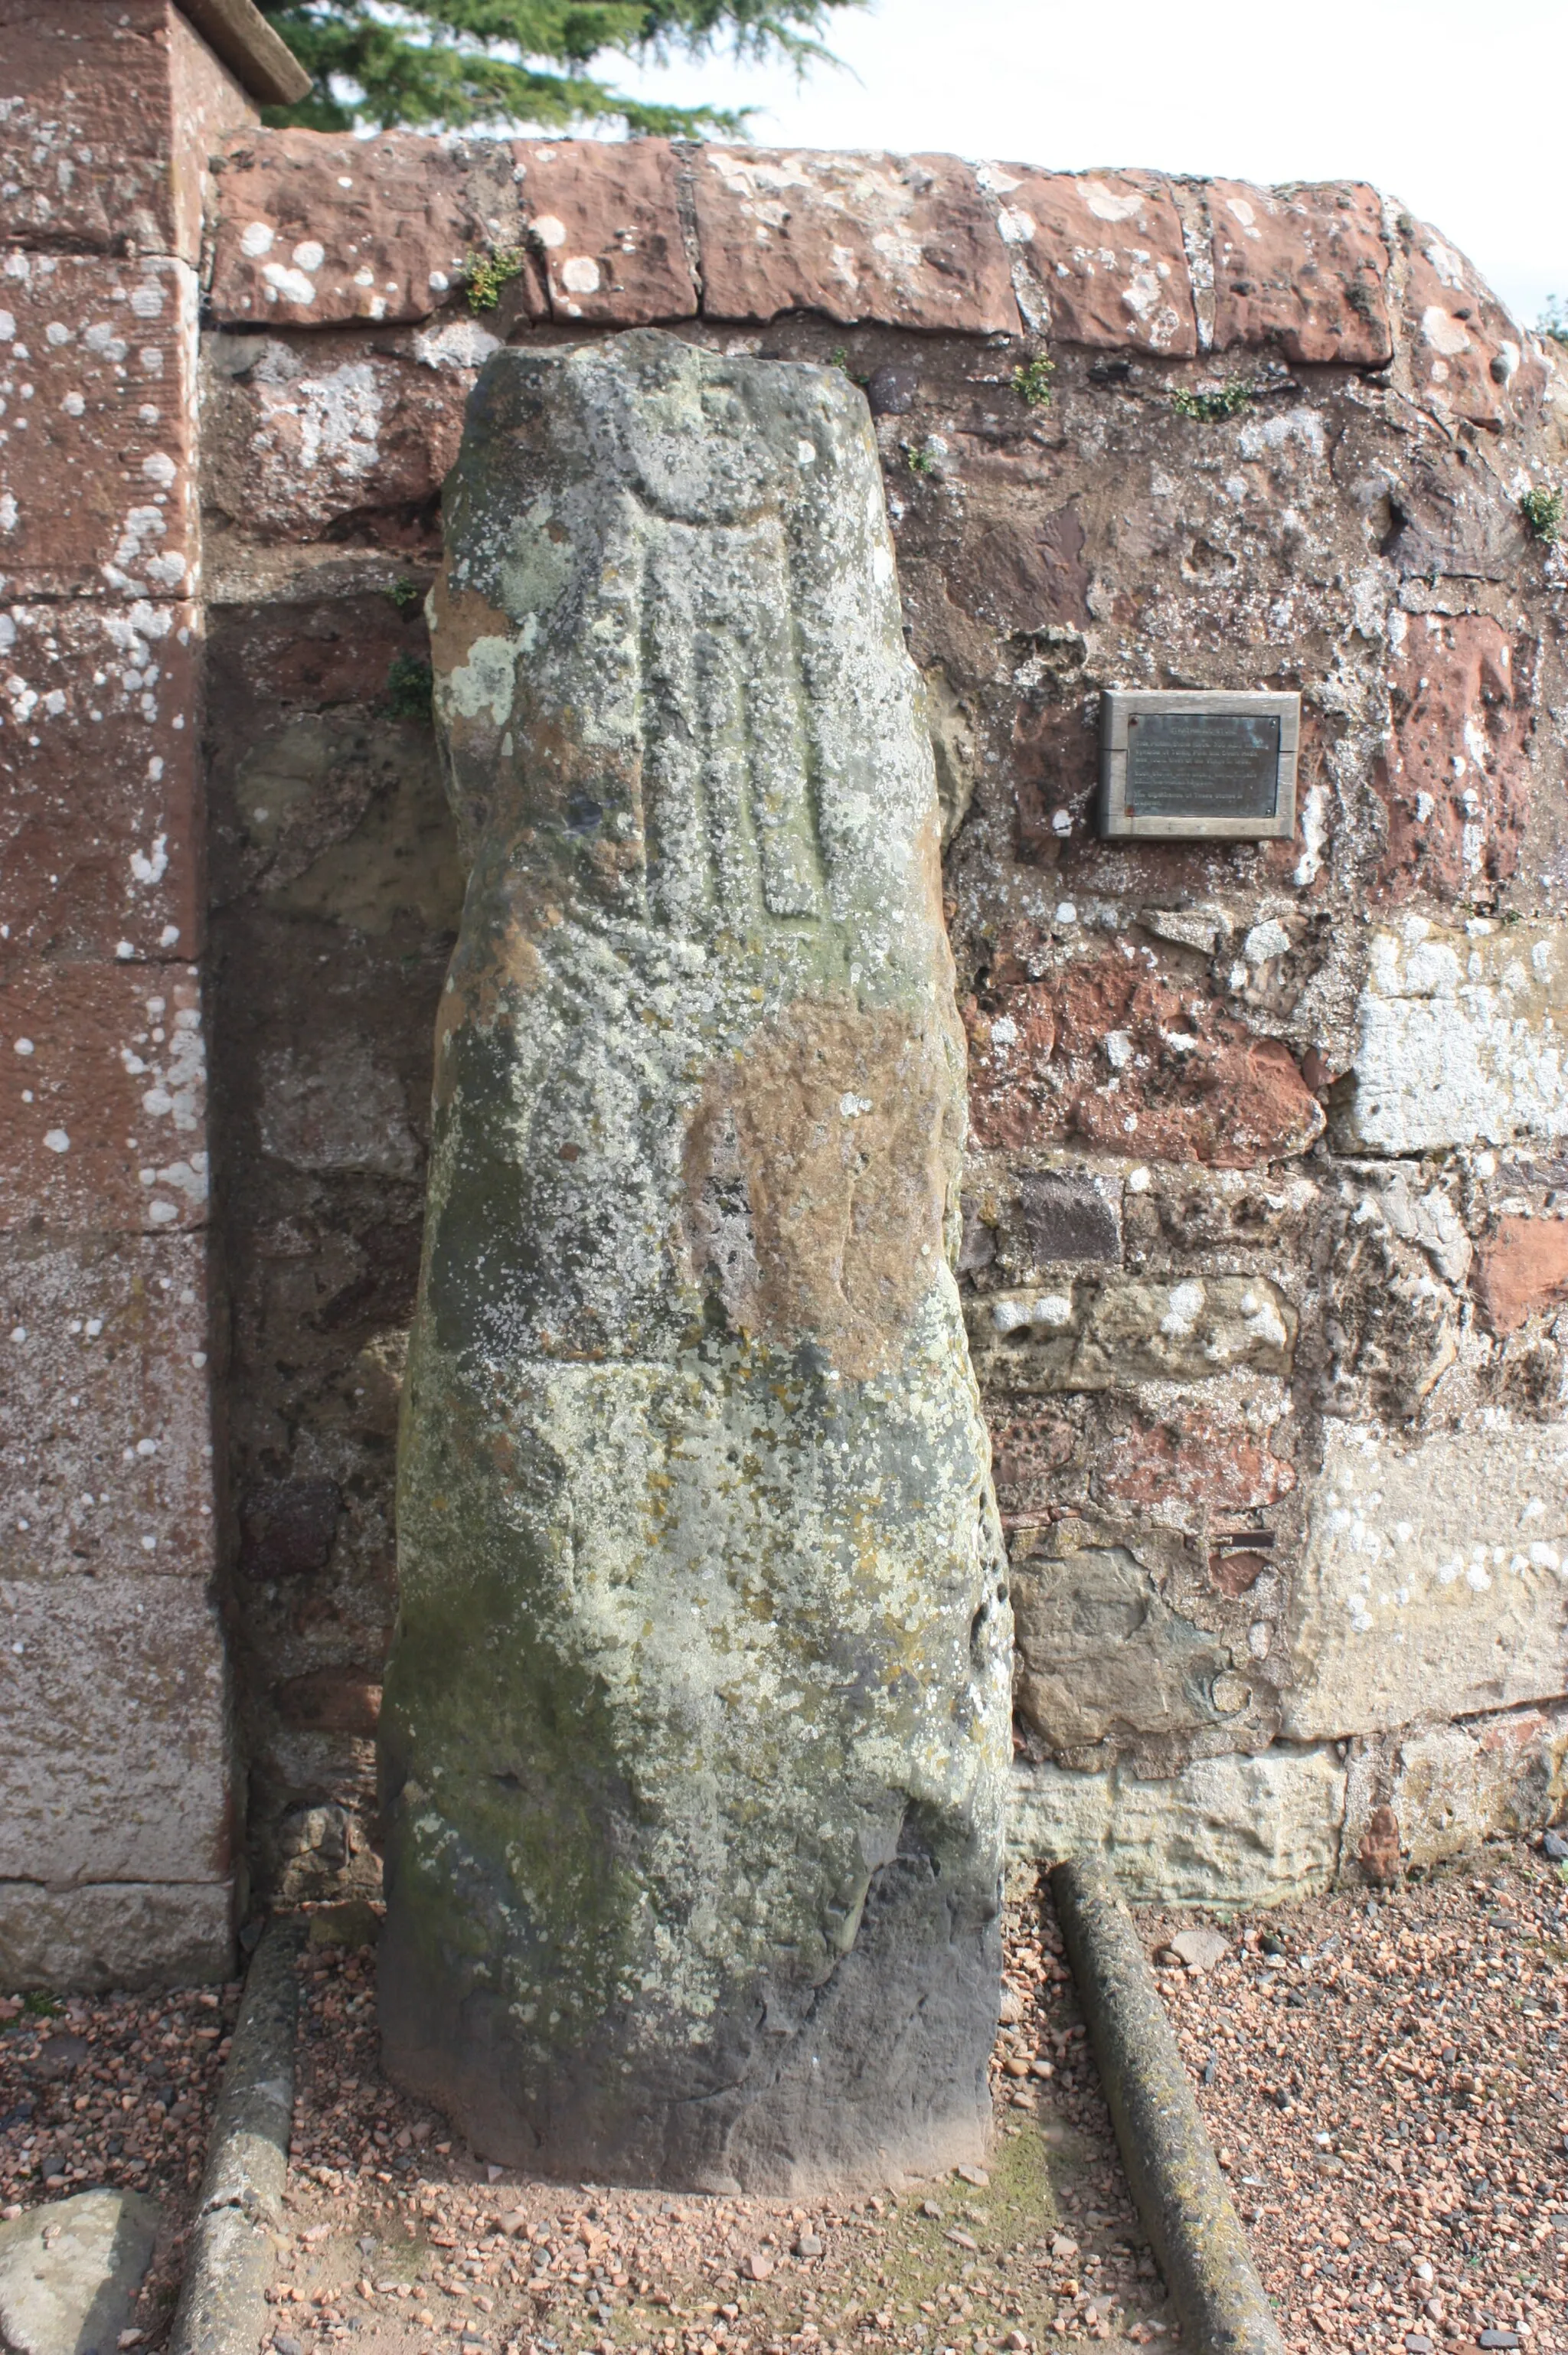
(1170, 2164)
(222, 2307)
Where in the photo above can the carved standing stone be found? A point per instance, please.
(696, 1724)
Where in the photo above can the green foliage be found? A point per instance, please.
(1233, 399)
(406, 595)
(922, 462)
(1031, 380)
(485, 274)
(1542, 511)
(441, 64)
(1553, 320)
(409, 688)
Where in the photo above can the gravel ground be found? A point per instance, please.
(113, 2089)
(398, 2237)
(1384, 2080)
(1386, 2083)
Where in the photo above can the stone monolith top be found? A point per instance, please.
(696, 1724)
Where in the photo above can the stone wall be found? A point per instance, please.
(1266, 1245)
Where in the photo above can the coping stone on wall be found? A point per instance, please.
(642, 230)
(906, 241)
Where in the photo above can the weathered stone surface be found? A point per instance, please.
(116, 1764)
(1104, 1657)
(335, 1108)
(116, 1934)
(96, 494)
(1069, 1218)
(1452, 1786)
(1434, 1582)
(906, 241)
(1522, 1271)
(102, 102)
(1194, 1456)
(106, 1412)
(313, 229)
(105, 1089)
(694, 1729)
(1467, 357)
(301, 434)
(1301, 268)
(1234, 1831)
(1102, 256)
(1126, 1059)
(99, 793)
(1453, 523)
(1458, 778)
(69, 2271)
(606, 221)
(1460, 1038)
(1101, 1335)
(334, 1700)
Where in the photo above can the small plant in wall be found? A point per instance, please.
(486, 274)
(1212, 403)
(1031, 381)
(923, 461)
(406, 595)
(409, 688)
(1542, 511)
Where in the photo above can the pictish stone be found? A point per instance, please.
(694, 1734)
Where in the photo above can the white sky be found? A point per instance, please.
(1456, 108)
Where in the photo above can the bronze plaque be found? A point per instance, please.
(1198, 763)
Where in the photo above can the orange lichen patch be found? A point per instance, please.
(818, 1168)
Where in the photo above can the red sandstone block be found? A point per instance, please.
(1522, 1271)
(111, 107)
(95, 489)
(310, 229)
(905, 240)
(103, 1098)
(298, 434)
(1114, 1052)
(1305, 269)
(115, 1762)
(1458, 783)
(105, 1411)
(607, 222)
(1468, 358)
(1192, 1457)
(1105, 251)
(99, 797)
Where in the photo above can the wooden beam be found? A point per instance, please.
(260, 60)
